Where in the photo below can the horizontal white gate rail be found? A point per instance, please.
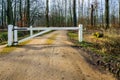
(48, 28)
(38, 34)
(13, 38)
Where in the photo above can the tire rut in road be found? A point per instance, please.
(40, 61)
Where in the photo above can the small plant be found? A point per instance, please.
(98, 34)
(3, 36)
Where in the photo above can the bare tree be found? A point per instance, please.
(74, 13)
(119, 12)
(2, 13)
(14, 22)
(28, 12)
(20, 12)
(47, 13)
(92, 15)
(106, 14)
(9, 12)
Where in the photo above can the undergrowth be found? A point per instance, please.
(4, 36)
(106, 45)
(106, 50)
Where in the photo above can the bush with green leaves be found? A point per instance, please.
(3, 36)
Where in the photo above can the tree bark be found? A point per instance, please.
(92, 15)
(9, 12)
(20, 13)
(74, 13)
(47, 13)
(28, 13)
(106, 14)
(2, 14)
(119, 12)
(14, 23)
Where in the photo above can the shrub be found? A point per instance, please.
(98, 34)
(3, 36)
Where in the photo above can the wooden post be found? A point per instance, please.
(80, 33)
(10, 35)
(31, 31)
(15, 36)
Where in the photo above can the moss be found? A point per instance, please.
(7, 49)
(51, 39)
(73, 35)
(24, 43)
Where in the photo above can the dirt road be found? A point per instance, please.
(49, 57)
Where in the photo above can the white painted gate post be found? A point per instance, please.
(10, 35)
(15, 36)
(80, 33)
(31, 31)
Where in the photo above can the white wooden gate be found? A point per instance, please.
(13, 37)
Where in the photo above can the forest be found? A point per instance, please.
(100, 20)
(96, 13)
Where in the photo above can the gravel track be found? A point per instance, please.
(39, 60)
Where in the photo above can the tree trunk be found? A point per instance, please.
(20, 13)
(47, 13)
(82, 12)
(28, 13)
(14, 23)
(119, 12)
(2, 14)
(5, 14)
(9, 12)
(106, 14)
(70, 12)
(74, 13)
(88, 19)
(65, 12)
(92, 15)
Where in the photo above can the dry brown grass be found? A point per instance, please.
(110, 43)
(105, 50)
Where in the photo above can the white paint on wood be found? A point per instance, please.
(46, 29)
(80, 33)
(15, 36)
(38, 34)
(31, 31)
(10, 35)
(54, 28)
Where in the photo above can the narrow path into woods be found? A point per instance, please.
(49, 57)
